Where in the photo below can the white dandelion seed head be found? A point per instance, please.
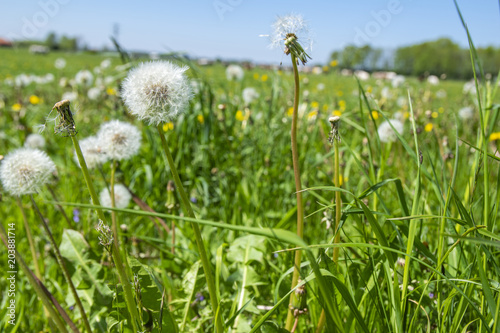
(320, 86)
(94, 93)
(92, 151)
(397, 81)
(84, 78)
(433, 80)
(157, 91)
(234, 73)
(119, 140)
(290, 24)
(106, 63)
(469, 87)
(70, 95)
(122, 197)
(60, 63)
(35, 141)
(249, 95)
(386, 133)
(466, 113)
(25, 170)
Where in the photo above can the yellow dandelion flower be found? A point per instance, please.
(111, 92)
(16, 107)
(201, 119)
(342, 104)
(168, 126)
(375, 115)
(34, 99)
(495, 136)
(340, 93)
(337, 113)
(264, 78)
(325, 68)
(429, 127)
(369, 89)
(325, 107)
(406, 115)
(256, 76)
(441, 110)
(289, 112)
(334, 63)
(240, 116)
(314, 105)
(435, 114)
(312, 115)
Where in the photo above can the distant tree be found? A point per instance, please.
(51, 41)
(68, 44)
(353, 56)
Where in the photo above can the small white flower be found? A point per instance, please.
(433, 80)
(25, 170)
(469, 87)
(35, 141)
(362, 75)
(106, 63)
(119, 140)
(386, 133)
(320, 86)
(70, 95)
(397, 81)
(84, 78)
(23, 80)
(249, 95)
(466, 113)
(122, 197)
(386, 93)
(94, 93)
(157, 91)
(441, 93)
(92, 151)
(401, 261)
(60, 63)
(234, 73)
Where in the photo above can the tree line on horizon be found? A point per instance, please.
(437, 57)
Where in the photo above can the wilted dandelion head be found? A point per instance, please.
(92, 151)
(119, 140)
(234, 73)
(386, 133)
(35, 141)
(157, 91)
(291, 34)
(24, 170)
(122, 197)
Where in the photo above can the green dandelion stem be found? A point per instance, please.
(196, 229)
(298, 188)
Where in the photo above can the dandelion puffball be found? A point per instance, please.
(386, 133)
(122, 197)
(157, 91)
(92, 151)
(25, 170)
(466, 113)
(249, 95)
(119, 140)
(290, 24)
(234, 73)
(35, 141)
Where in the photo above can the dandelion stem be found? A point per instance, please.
(30, 238)
(122, 274)
(298, 188)
(63, 266)
(114, 225)
(196, 229)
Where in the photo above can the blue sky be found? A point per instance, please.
(230, 29)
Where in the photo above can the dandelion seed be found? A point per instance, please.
(25, 170)
(119, 140)
(35, 141)
(122, 197)
(386, 133)
(92, 151)
(234, 73)
(157, 91)
(60, 63)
